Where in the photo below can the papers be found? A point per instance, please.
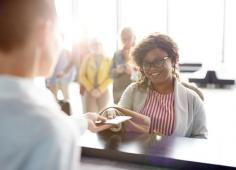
(116, 120)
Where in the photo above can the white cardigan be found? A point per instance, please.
(190, 118)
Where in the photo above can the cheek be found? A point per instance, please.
(168, 70)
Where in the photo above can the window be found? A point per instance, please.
(97, 19)
(197, 27)
(230, 31)
(203, 29)
(143, 16)
(64, 13)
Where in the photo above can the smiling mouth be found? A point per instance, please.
(155, 74)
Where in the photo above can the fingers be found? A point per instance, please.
(94, 128)
(96, 117)
(110, 114)
(101, 118)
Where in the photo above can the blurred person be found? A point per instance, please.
(168, 106)
(80, 51)
(35, 134)
(62, 77)
(122, 66)
(94, 76)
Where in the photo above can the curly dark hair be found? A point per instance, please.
(153, 41)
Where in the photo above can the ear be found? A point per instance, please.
(173, 62)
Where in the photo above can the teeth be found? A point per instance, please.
(156, 74)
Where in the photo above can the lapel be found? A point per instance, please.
(93, 66)
(181, 110)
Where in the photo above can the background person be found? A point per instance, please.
(94, 76)
(80, 52)
(60, 79)
(122, 65)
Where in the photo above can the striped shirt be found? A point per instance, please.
(160, 108)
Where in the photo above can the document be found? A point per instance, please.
(116, 120)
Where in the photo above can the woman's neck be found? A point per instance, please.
(164, 87)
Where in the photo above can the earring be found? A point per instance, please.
(173, 69)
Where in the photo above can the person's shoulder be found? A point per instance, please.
(118, 54)
(135, 86)
(193, 91)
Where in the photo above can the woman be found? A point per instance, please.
(121, 68)
(60, 80)
(173, 109)
(94, 76)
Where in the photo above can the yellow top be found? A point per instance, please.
(88, 71)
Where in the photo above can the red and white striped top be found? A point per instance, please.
(160, 108)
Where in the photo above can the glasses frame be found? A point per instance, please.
(158, 64)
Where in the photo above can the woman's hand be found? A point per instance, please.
(92, 117)
(96, 93)
(60, 74)
(110, 113)
(95, 117)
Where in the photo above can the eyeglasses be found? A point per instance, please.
(156, 63)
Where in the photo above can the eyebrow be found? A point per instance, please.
(155, 59)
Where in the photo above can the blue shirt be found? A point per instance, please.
(62, 63)
(34, 133)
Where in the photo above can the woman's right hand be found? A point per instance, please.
(110, 113)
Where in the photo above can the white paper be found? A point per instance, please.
(118, 119)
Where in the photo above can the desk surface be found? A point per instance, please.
(91, 163)
(169, 152)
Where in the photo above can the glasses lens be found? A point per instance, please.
(156, 63)
(146, 65)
